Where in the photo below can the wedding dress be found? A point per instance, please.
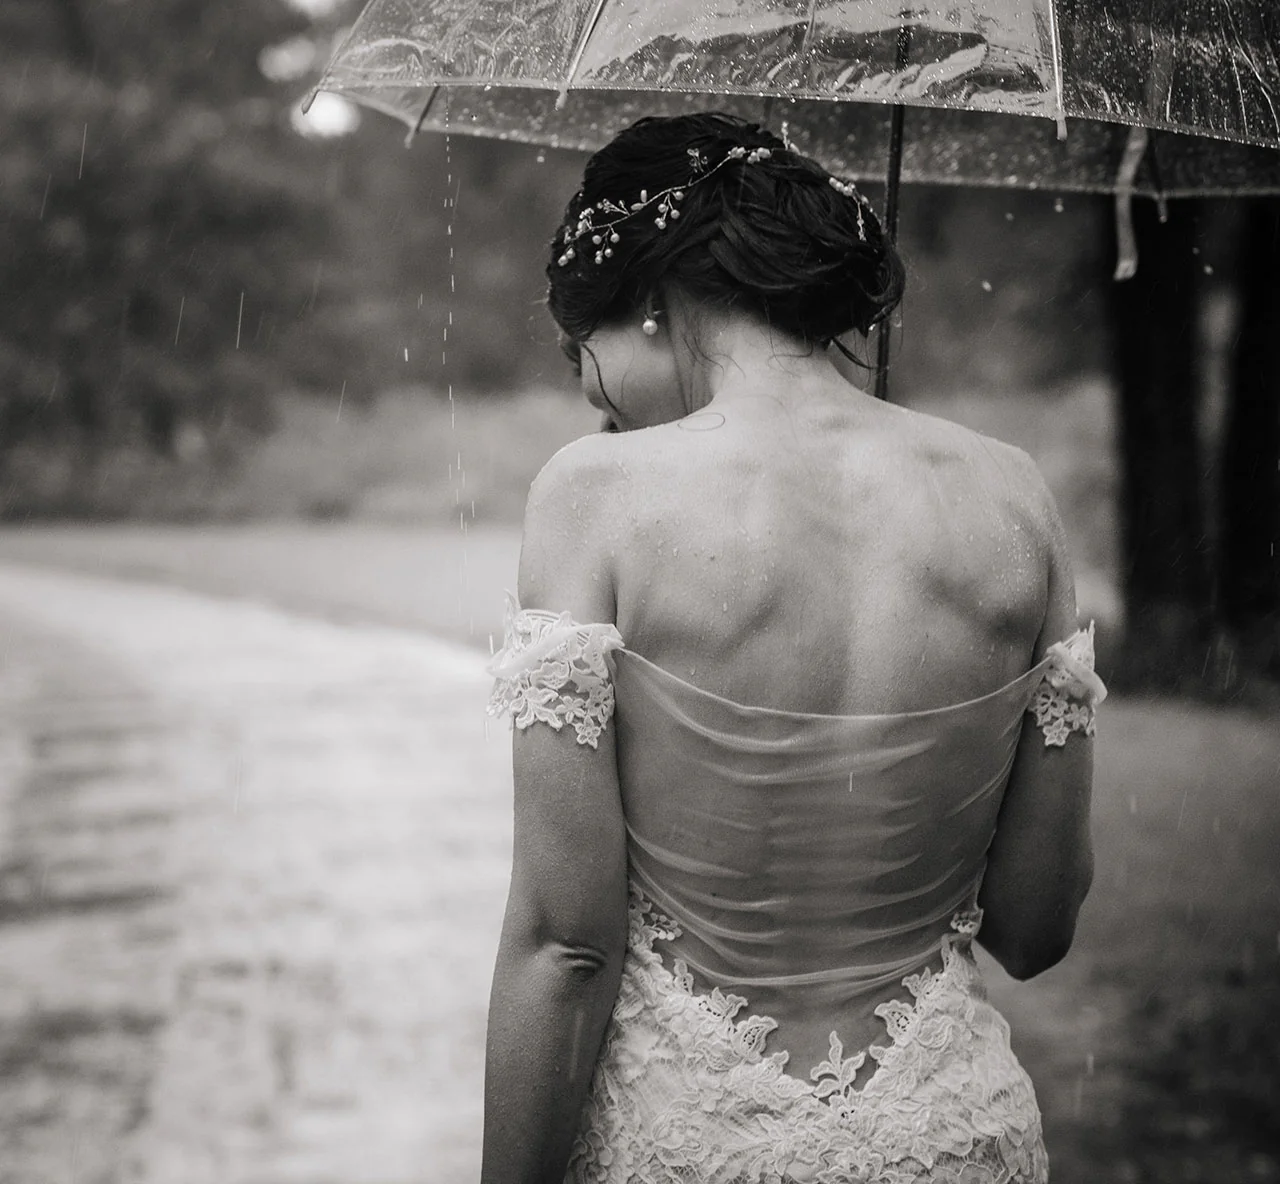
(868, 843)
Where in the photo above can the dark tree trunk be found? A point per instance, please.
(160, 423)
(1165, 568)
(79, 41)
(1249, 526)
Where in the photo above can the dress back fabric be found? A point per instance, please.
(864, 835)
(818, 858)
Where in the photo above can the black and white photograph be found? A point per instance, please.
(639, 592)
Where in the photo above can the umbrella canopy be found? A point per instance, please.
(839, 75)
(571, 73)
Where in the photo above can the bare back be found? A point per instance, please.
(830, 555)
(835, 558)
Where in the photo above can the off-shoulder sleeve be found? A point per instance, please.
(553, 670)
(1070, 691)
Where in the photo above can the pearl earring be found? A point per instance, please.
(649, 326)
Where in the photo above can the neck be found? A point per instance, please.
(738, 357)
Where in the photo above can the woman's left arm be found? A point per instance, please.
(564, 935)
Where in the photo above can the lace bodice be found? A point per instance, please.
(777, 858)
(685, 1092)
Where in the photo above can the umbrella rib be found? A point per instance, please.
(1055, 49)
(810, 21)
(579, 50)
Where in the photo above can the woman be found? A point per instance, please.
(799, 706)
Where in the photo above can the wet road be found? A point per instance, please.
(252, 869)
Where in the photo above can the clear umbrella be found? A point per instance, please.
(1100, 86)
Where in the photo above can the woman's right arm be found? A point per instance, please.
(1040, 863)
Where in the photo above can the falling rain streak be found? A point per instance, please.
(456, 472)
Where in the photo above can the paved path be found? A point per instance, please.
(252, 869)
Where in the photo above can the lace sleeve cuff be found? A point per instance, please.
(552, 669)
(1069, 692)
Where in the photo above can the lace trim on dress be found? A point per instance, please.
(685, 1092)
(542, 655)
(1069, 691)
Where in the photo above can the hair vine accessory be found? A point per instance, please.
(848, 189)
(666, 205)
(604, 236)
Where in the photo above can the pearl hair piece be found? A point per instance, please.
(666, 208)
(848, 189)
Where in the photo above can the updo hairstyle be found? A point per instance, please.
(774, 237)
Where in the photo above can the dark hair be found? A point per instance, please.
(775, 237)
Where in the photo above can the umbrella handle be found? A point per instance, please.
(890, 227)
(892, 183)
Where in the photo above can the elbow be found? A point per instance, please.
(1037, 945)
(567, 969)
(1025, 960)
(583, 962)
(1029, 932)
(579, 940)
(584, 948)
(581, 953)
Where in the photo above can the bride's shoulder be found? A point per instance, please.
(592, 463)
(608, 467)
(1004, 468)
(582, 492)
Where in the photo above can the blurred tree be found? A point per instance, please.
(1000, 292)
(1202, 597)
(1165, 562)
(161, 219)
(1248, 568)
(149, 249)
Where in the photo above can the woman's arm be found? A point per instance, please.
(1040, 863)
(563, 939)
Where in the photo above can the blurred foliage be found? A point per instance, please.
(175, 254)
(157, 223)
(150, 249)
